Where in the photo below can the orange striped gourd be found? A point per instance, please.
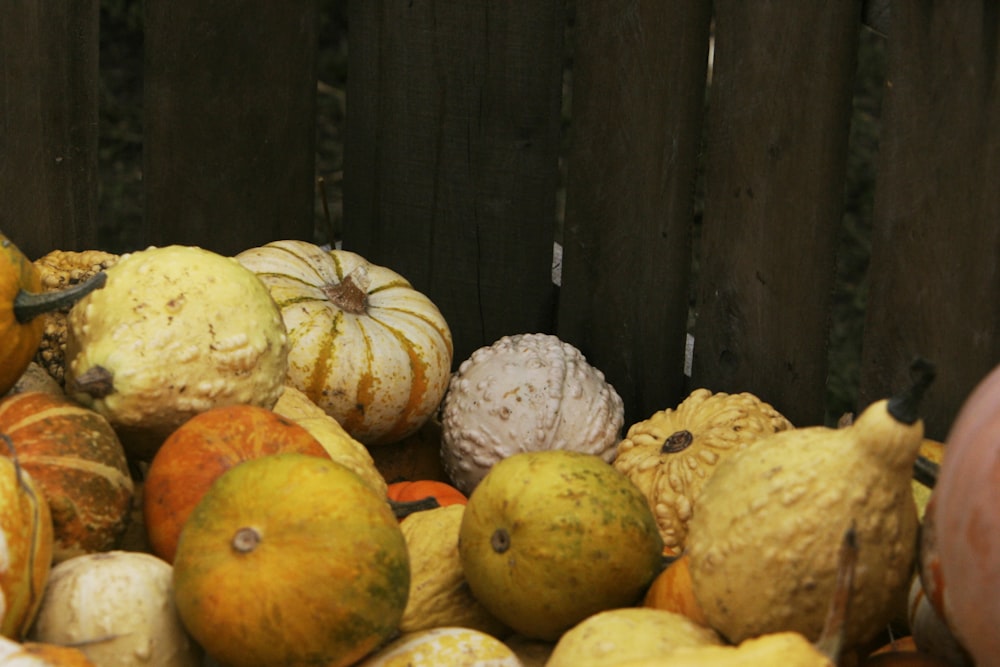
(364, 345)
(79, 465)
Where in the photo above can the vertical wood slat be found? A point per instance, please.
(777, 124)
(48, 124)
(638, 93)
(451, 155)
(229, 121)
(935, 267)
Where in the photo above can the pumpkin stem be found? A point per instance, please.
(500, 540)
(404, 508)
(351, 294)
(925, 471)
(831, 638)
(904, 407)
(677, 442)
(29, 305)
(245, 540)
(97, 381)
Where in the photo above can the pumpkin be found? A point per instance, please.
(439, 595)
(672, 590)
(26, 533)
(291, 559)
(670, 455)
(79, 464)
(928, 631)
(367, 347)
(443, 493)
(40, 654)
(198, 452)
(58, 270)
(551, 537)
(175, 331)
(964, 538)
(443, 647)
(22, 302)
(118, 608)
(524, 393)
(337, 442)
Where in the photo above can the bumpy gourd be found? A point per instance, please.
(671, 454)
(764, 533)
(523, 393)
(177, 330)
(60, 269)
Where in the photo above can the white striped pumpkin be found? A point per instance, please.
(78, 462)
(364, 345)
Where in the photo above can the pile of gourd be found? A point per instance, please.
(267, 459)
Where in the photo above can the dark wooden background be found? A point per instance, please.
(456, 137)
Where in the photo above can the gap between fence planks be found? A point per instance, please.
(450, 165)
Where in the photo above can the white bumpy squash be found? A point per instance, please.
(526, 392)
(365, 346)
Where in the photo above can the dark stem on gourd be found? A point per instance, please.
(245, 540)
(904, 407)
(29, 305)
(677, 442)
(96, 381)
(351, 293)
(404, 508)
(925, 471)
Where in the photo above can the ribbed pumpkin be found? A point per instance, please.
(670, 455)
(26, 533)
(79, 464)
(364, 344)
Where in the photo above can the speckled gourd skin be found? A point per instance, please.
(764, 537)
(179, 329)
(523, 393)
(719, 425)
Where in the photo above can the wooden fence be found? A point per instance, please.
(456, 129)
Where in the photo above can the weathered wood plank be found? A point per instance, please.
(935, 267)
(48, 124)
(229, 121)
(451, 155)
(777, 143)
(638, 93)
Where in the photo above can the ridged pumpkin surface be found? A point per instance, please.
(670, 455)
(291, 560)
(79, 464)
(365, 346)
(25, 547)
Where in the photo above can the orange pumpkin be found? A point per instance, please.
(445, 494)
(204, 447)
(672, 590)
(78, 462)
(291, 560)
(407, 497)
(21, 303)
(40, 654)
(26, 533)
